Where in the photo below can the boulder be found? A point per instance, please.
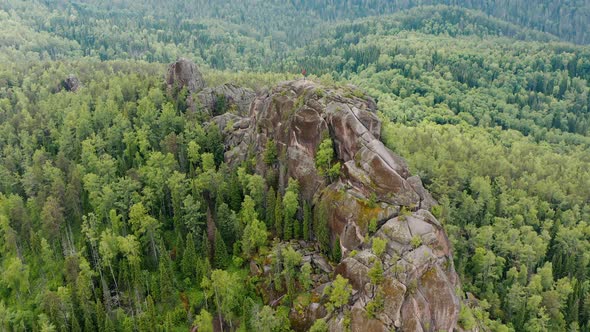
(183, 73)
(426, 200)
(226, 98)
(71, 83)
(419, 279)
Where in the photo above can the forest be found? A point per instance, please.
(108, 194)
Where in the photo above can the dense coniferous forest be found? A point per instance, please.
(119, 212)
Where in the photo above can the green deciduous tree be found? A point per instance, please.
(338, 293)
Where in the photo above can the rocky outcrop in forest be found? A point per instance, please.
(371, 199)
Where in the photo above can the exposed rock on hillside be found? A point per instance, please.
(227, 97)
(419, 279)
(184, 73)
(213, 100)
(71, 83)
(374, 185)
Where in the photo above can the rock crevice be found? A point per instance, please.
(374, 184)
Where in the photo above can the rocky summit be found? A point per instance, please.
(374, 186)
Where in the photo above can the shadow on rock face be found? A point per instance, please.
(374, 186)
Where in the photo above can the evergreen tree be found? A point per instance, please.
(290, 207)
(222, 258)
(189, 257)
(205, 247)
(270, 207)
(336, 250)
(320, 227)
(306, 221)
(152, 320)
(167, 293)
(279, 215)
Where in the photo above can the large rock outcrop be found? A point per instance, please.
(183, 73)
(213, 101)
(226, 98)
(419, 280)
(71, 83)
(374, 185)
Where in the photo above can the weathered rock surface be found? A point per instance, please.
(184, 73)
(71, 83)
(374, 184)
(419, 278)
(226, 98)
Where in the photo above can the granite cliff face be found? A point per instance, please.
(184, 74)
(418, 290)
(374, 183)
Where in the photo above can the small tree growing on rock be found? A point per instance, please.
(324, 161)
(378, 246)
(338, 293)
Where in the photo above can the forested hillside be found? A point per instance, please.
(120, 212)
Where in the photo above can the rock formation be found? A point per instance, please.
(184, 74)
(226, 98)
(374, 185)
(71, 83)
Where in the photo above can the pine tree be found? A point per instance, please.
(288, 228)
(297, 229)
(205, 248)
(100, 313)
(290, 207)
(88, 322)
(151, 314)
(279, 215)
(306, 221)
(321, 229)
(222, 259)
(189, 258)
(203, 269)
(109, 325)
(75, 324)
(166, 287)
(336, 250)
(270, 206)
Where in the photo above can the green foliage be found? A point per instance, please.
(338, 293)
(336, 252)
(291, 262)
(226, 291)
(324, 161)
(189, 257)
(307, 221)
(204, 321)
(376, 273)
(271, 201)
(378, 246)
(372, 226)
(466, 319)
(320, 225)
(255, 234)
(268, 320)
(290, 208)
(221, 258)
(98, 187)
(416, 241)
(375, 306)
(278, 213)
(305, 276)
(167, 292)
(270, 153)
(319, 325)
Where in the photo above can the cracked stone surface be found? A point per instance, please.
(375, 184)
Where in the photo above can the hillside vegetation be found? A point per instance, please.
(107, 193)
